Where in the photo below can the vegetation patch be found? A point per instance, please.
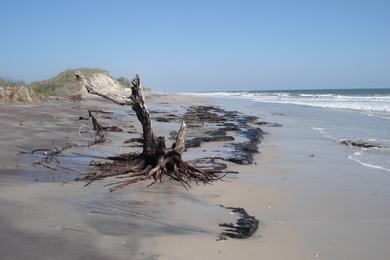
(64, 84)
(12, 90)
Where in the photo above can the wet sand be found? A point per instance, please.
(314, 203)
(46, 215)
(308, 208)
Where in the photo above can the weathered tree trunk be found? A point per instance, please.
(155, 161)
(151, 144)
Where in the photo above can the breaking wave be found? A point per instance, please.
(372, 103)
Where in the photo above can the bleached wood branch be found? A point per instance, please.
(179, 144)
(90, 88)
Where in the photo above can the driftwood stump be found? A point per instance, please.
(156, 161)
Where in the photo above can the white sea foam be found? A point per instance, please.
(373, 157)
(373, 105)
(364, 101)
(351, 157)
(324, 133)
(368, 157)
(318, 129)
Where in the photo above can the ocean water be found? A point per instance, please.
(373, 102)
(355, 114)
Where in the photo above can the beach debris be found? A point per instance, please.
(164, 117)
(242, 152)
(49, 156)
(279, 114)
(361, 143)
(244, 227)
(99, 136)
(249, 119)
(156, 162)
(197, 141)
(134, 140)
(212, 165)
(193, 142)
(268, 124)
(113, 128)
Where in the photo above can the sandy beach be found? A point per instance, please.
(194, 130)
(311, 201)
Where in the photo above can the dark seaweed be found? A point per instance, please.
(245, 226)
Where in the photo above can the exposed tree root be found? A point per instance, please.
(133, 168)
(155, 163)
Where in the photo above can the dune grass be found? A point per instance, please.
(8, 82)
(64, 84)
(14, 90)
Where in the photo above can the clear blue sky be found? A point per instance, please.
(202, 45)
